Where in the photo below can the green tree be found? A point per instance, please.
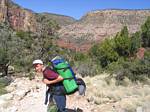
(146, 33)
(104, 52)
(135, 43)
(5, 47)
(11, 47)
(47, 26)
(47, 32)
(123, 42)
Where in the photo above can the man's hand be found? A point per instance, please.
(45, 81)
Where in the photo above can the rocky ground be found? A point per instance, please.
(28, 95)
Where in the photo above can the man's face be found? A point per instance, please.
(38, 67)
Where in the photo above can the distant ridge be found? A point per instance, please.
(97, 25)
(80, 34)
(60, 19)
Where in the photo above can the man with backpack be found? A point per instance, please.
(54, 84)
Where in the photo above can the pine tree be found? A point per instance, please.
(146, 33)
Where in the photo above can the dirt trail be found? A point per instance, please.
(29, 95)
(34, 101)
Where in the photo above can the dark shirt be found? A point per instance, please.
(49, 74)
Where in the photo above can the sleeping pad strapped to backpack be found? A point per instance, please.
(63, 68)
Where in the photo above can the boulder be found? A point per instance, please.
(11, 70)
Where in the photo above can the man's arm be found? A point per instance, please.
(58, 79)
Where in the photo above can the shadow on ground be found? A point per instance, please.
(72, 110)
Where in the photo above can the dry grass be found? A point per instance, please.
(127, 97)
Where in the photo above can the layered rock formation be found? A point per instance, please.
(18, 18)
(104, 23)
(26, 20)
(77, 35)
(60, 19)
(97, 25)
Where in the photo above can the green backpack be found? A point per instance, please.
(62, 67)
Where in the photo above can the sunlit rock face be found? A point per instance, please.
(17, 17)
(98, 25)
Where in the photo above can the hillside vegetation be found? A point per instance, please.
(125, 55)
(109, 97)
(121, 54)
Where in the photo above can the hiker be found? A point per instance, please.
(54, 83)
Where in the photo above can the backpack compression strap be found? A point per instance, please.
(64, 69)
(69, 78)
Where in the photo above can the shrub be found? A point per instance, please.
(23, 64)
(3, 83)
(147, 55)
(6, 47)
(123, 43)
(88, 68)
(146, 33)
(136, 70)
(2, 90)
(104, 52)
(135, 43)
(114, 67)
(80, 56)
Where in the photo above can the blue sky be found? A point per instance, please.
(78, 8)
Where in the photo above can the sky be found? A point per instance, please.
(78, 8)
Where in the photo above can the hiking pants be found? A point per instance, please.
(60, 102)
